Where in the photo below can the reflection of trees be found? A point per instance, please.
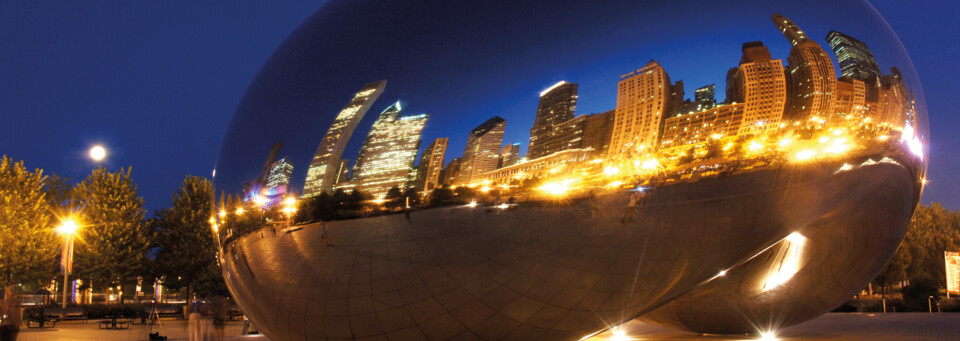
(933, 230)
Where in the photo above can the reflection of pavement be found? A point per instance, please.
(173, 329)
(900, 326)
(839, 326)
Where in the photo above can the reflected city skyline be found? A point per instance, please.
(766, 114)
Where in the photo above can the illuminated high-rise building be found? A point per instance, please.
(388, 153)
(850, 100)
(482, 151)
(705, 94)
(431, 165)
(279, 174)
(324, 170)
(642, 97)
(856, 61)
(509, 155)
(451, 171)
(557, 104)
(811, 81)
(277, 181)
(697, 128)
(760, 84)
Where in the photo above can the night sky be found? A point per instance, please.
(158, 83)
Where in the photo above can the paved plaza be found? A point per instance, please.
(900, 326)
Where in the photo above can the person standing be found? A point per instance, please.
(194, 324)
(323, 233)
(219, 312)
(637, 199)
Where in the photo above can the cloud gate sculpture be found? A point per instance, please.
(772, 189)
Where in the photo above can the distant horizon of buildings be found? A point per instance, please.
(651, 115)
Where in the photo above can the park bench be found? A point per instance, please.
(169, 311)
(114, 322)
(71, 313)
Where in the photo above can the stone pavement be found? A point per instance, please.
(173, 329)
(846, 326)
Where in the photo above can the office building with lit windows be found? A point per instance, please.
(692, 129)
(509, 155)
(387, 155)
(431, 165)
(642, 98)
(760, 84)
(811, 81)
(482, 151)
(850, 101)
(451, 171)
(557, 104)
(856, 60)
(324, 168)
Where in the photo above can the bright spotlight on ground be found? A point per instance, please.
(768, 336)
(618, 334)
(98, 153)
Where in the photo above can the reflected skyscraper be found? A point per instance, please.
(323, 171)
(642, 98)
(389, 151)
(758, 83)
(482, 152)
(509, 155)
(850, 99)
(557, 104)
(855, 59)
(431, 165)
(451, 171)
(279, 174)
(811, 79)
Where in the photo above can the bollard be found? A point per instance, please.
(884, 302)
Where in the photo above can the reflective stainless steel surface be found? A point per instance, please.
(741, 214)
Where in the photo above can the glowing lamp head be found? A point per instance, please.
(68, 227)
(98, 153)
(290, 201)
(240, 211)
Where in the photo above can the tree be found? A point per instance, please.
(393, 197)
(412, 196)
(440, 196)
(113, 242)
(59, 191)
(186, 244)
(932, 230)
(355, 201)
(28, 247)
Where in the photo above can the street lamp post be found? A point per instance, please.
(67, 229)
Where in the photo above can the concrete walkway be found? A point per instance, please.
(847, 326)
(173, 329)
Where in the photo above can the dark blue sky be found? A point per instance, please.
(157, 83)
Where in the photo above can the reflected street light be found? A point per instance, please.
(67, 229)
